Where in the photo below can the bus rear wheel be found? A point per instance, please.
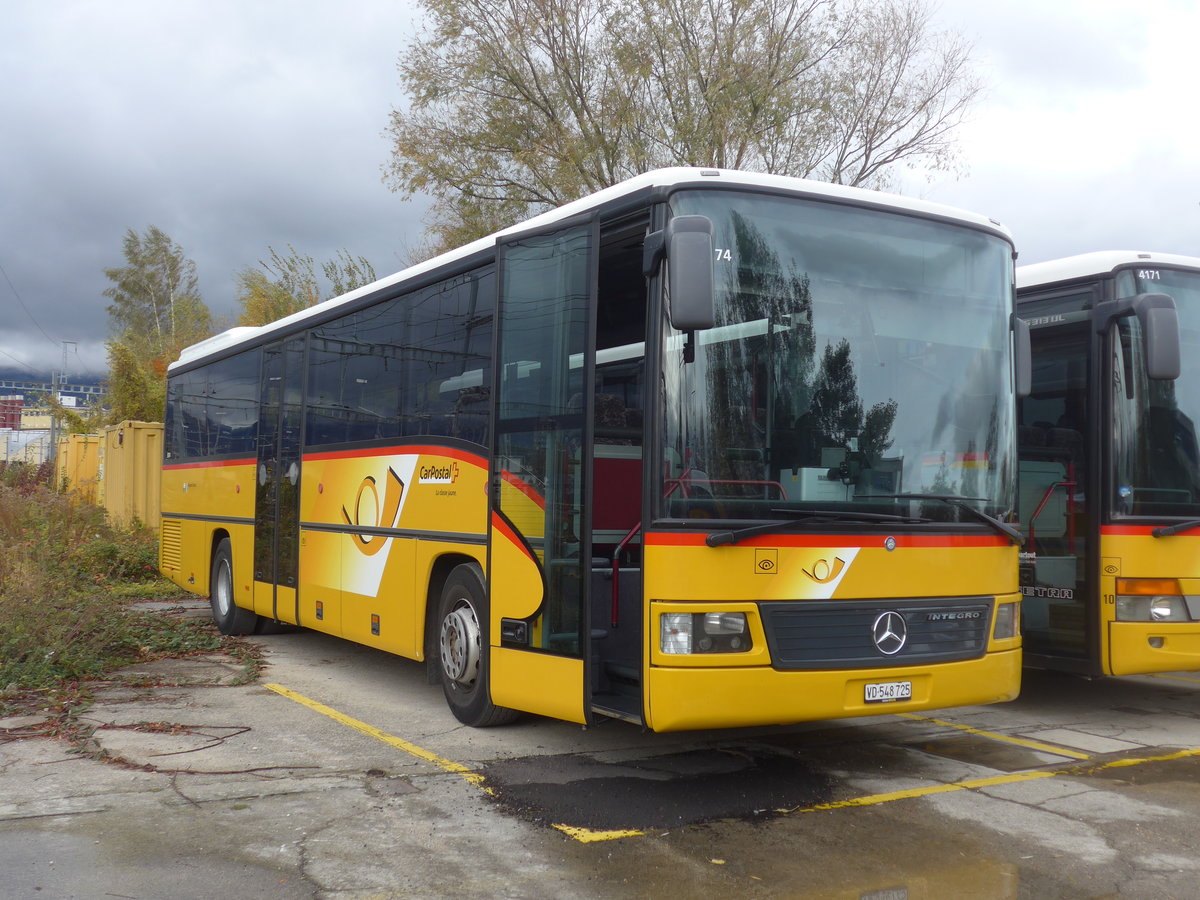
(463, 650)
(229, 617)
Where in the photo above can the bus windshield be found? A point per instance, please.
(860, 357)
(1155, 449)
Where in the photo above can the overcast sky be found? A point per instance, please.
(238, 125)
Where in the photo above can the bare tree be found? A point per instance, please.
(519, 105)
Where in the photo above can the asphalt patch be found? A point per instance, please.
(656, 792)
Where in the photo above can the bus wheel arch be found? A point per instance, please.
(228, 616)
(439, 571)
(460, 639)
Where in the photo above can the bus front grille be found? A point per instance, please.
(862, 634)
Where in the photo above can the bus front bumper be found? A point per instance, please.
(680, 699)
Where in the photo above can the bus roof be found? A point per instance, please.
(657, 179)
(1089, 265)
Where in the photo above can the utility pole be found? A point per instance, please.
(57, 380)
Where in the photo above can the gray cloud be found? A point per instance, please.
(232, 127)
(1080, 144)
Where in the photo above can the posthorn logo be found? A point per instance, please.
(889, 632)
(368, 511)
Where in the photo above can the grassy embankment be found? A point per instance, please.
(69, 582)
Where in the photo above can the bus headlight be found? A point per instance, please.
(676, 633)
(1150, 600)
(704, 633)
(1008, 621)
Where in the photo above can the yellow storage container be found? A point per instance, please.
(130, 468)
(77, 466)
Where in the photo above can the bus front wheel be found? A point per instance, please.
(463, 650)
(230, 618)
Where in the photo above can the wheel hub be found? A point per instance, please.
(460, 640)
(223, 590)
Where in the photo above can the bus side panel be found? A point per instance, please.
(191, 492)
(542, 683)
(224, 490)
(1132, 552)
(374, 521)
(186, 555)
(283, 606)
(320, 580)
(263, 598)
(383, 618)
(241, 538)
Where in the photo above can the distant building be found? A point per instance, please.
(35, 417)
(30, 446)
(10, 410)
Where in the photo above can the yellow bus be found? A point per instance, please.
(1110, 463)
(704, 449)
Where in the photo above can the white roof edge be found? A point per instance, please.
(657, 178)
(1101, 262)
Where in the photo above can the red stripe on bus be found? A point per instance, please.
(1129, 530)
(211, 464)
(671, 539)
(525, 488)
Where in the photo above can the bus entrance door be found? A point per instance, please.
(277, 483)
(540, 523)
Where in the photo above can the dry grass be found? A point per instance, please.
(66, 577)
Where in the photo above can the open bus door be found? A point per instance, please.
(540, 538)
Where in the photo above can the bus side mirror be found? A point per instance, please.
(1022, 357)
(1160, 332)
(687, 244)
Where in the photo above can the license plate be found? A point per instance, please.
(887, 691)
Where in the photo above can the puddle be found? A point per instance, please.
(657, 791)
(991, 754)
(973, 879)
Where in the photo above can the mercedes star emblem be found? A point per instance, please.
(889, 633)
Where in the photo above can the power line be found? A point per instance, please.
(19, 363)
(16, 294)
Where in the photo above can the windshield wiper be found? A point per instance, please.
(806, 517)
(1168, 530)
(959, 503)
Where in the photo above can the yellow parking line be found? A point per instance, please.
(587, 835)
(584, 835)
(889, 797)
(1006, 738)
(1139, 760)
(1175, 677)
(445, 765)
(975, 783)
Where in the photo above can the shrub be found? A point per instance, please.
(64, 575)
(25, 477)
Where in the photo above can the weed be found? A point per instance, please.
(68, 580)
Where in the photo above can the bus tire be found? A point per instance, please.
(462, 647)
(228, 616)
